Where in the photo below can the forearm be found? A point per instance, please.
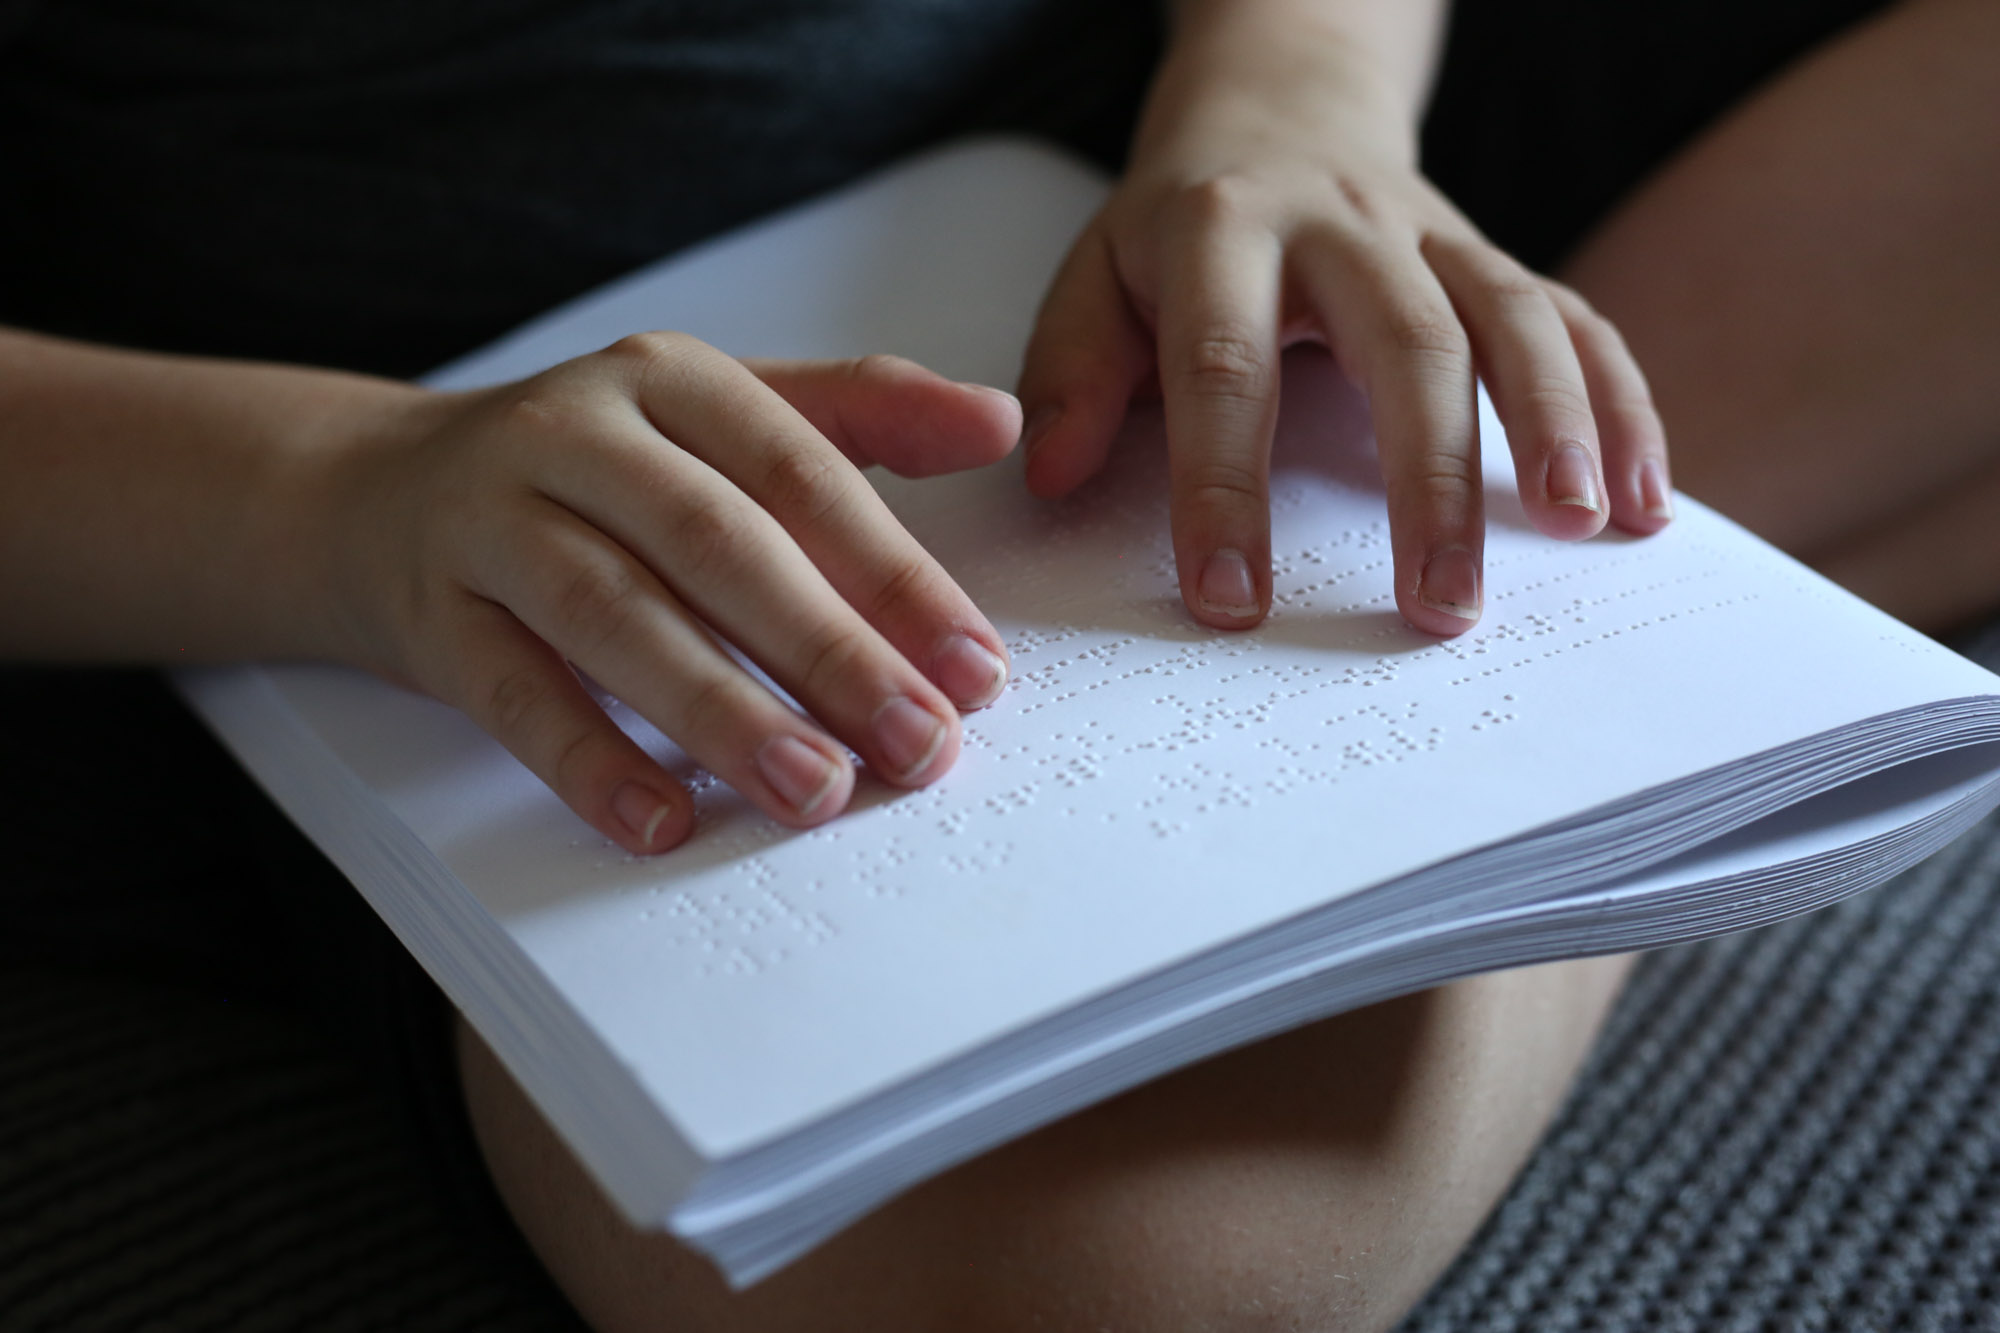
(1375, 58)
(169, 508)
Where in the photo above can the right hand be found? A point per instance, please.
(633, 511)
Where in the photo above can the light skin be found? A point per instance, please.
(1753, 274)
(621, 512)
(163, 509)
(1273, 196)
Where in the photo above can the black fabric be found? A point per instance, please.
(1548, 111)
(173, 1163)
(382, 184)
(141, 852)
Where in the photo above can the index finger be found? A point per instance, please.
(1218, 357)
(712, 407)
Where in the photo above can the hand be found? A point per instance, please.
(634, 511)
(1275, 198)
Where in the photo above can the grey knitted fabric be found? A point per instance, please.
(171, 1163)
(1794, 1128)
(1797, 1128)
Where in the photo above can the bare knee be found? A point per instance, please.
(1317, 1181)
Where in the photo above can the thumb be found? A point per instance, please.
(1088, 354)
(887, 410)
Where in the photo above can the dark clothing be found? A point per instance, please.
(1548, 111)
(381, 186)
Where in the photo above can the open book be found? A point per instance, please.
(1161, 840)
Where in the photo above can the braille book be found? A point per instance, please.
(1162, 840)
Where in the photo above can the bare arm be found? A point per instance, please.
(621, 512)
(169, 509)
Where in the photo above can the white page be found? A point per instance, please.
(1145, 787)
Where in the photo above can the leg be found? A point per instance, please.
(1319, 1180)
(1814, 289)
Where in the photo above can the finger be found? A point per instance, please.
(597, 606)
(1523, 348)
(1396, 335)
(1218, 353)
(840, 532)
(526, 697)
(1634, 438)
(1087, 355)
(884, 409)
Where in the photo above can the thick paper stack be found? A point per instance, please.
(1162, 840)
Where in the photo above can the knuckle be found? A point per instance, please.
(828, 656)
(1515, 291)
(573, 768)
(879, 365)
(1216, 201)
(1224, 364)
(909, 582)
(1439, 476)
(657, 354)
(710, 700)
(801, 484)
(1427, 334)
(709, 534)
(1220, 483)
(1558, 399)
(597, 604)
(513, 701)
(649, 346)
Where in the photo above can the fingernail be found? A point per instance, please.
(968, 671)
(804, 776)
(1226, 588)
(989, 390)
(1654, 491)
(1451, 583)
(640, 809)
(1572, 480)
(909, 734)
(1038, 428)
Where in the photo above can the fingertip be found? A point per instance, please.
(1448, 596)
(1566, 520)
(1224, 592)
(970, 672)
(1444, 623)
(1035, 459)
(997, 413)
(1571, 504)
(1642, 497)
(1066, 444)
(924, 424)
(648, 816)
(807, 784)
(914, 744)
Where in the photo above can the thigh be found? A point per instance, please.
(1320, 1179)
(1813, 289)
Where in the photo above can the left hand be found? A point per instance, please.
(1282, 203)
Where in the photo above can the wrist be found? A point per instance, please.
(1357, 68)
(323, 519)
